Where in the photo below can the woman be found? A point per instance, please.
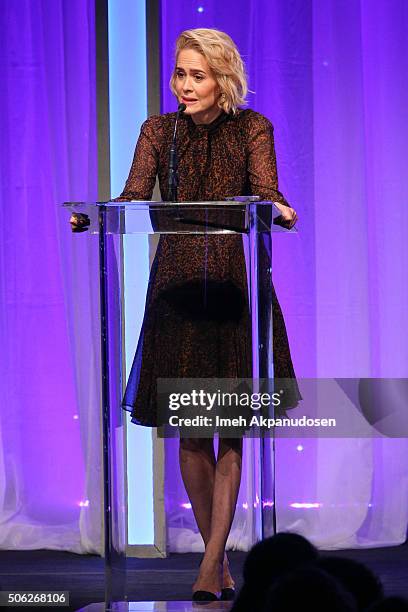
(222, 151)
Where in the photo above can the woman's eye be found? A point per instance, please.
(198, 77)
(179, 75)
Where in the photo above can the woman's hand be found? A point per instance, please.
(79, 222)
(288, 215)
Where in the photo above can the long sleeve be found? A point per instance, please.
(261, 165)
(142, 175)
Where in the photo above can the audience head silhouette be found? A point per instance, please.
(267, 561)
(390, 604)
(309, 588)
(286, 572)
(356, 578)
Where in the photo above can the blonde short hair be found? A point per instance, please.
(225, 61)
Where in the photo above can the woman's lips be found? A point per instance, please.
(188, 101)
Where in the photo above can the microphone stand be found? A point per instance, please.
(173, 162)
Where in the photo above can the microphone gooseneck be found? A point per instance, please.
(173, 179)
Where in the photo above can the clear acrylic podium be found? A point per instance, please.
(108, 223)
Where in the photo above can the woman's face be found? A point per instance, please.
(196, 86)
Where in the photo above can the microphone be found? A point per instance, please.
(173, 179)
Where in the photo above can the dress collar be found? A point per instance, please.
(206, 127)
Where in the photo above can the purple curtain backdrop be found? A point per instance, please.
(48, 155)
(331, 76)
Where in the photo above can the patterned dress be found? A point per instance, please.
(197, 319)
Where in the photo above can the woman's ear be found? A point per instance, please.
(221, 99)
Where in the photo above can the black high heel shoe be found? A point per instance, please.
(204, 596)
(227, 594)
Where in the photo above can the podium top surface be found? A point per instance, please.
(236, 202)
(240, 215)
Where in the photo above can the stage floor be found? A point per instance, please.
(160, 606)
(159, 580)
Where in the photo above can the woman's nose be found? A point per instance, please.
(187, 85)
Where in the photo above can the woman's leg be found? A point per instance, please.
(197, 466)
(214, 509)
